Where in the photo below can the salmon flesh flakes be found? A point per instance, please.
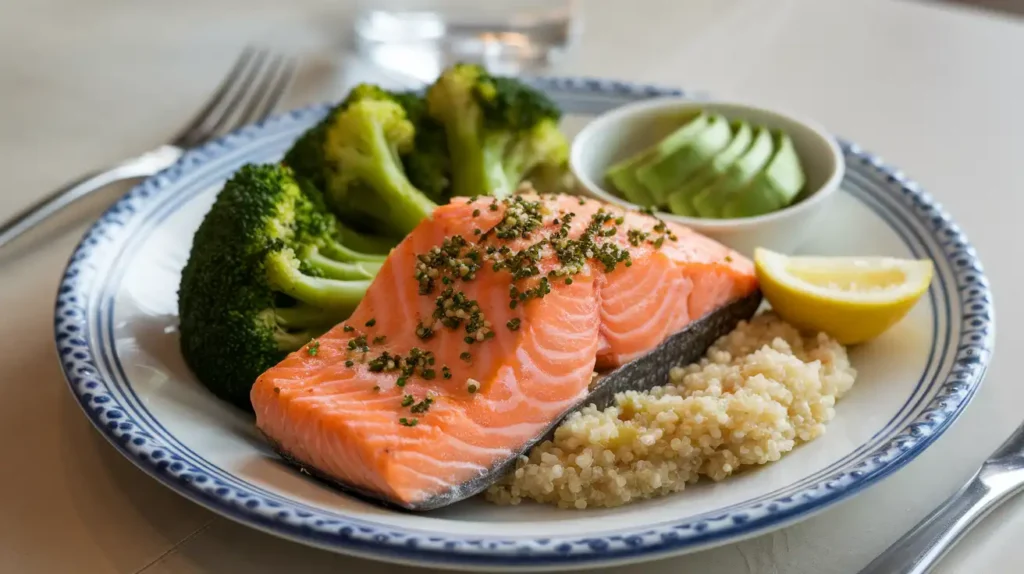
(481, 330)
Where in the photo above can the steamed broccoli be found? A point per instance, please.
(287, 251)
(498, 130)
(355, 157)
(428, 164)
(269, 270)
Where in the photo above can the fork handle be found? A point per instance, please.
(144, 165)
(921, 548)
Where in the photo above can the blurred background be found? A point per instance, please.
(117, 66)
(1010, 6)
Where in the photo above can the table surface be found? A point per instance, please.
(936, 90)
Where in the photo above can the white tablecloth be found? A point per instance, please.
(940, 92)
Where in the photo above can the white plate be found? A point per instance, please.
(115, 331)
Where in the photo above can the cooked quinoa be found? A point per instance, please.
(758, 392)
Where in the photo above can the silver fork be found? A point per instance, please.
(250, 92)
(919, 550)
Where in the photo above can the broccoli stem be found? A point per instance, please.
(366, 245)
(543, 145)
(332, 295)
(521, 158)
(383, 169)
(293, 327)
(334, 269)
(340, 252)
(478, 168)
(303, 316)
(291, 341)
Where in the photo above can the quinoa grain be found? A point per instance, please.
(758, 392)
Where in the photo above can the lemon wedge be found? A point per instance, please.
(853, 299)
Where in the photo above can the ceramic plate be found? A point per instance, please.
(116, 336)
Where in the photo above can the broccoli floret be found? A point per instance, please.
(268, 272)
(498, 130)
(427, 164)
(355, 157)
(356, 241)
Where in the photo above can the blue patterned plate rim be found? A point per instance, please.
(974, 344)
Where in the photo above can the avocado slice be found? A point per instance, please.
(680, 201)
(622, 175)
(774, 188)
(710, 200)
(662, 174)
(623, 178)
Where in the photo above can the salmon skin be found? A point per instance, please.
(483, 330)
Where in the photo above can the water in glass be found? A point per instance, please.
(421, 37)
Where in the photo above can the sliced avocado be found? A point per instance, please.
(622, 174)
(680, 201)
(710, 200)
(774, 188)
(623, 179)
(663, 174)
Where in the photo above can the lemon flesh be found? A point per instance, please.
(853, 299)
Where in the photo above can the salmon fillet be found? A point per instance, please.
(482, 328)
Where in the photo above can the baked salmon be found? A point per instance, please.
(482, 330)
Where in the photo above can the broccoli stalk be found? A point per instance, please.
(337, 267)
(336, 296)
(542, 148)
(498, 130)
(362, 244)
(289, 327)
(363, 145)
(428, 164)
(355, 156)
(268, 271)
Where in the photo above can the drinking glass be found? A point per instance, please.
(420, 38)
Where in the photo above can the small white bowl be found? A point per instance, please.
(629, 129)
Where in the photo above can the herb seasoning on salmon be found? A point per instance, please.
(627, 285)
